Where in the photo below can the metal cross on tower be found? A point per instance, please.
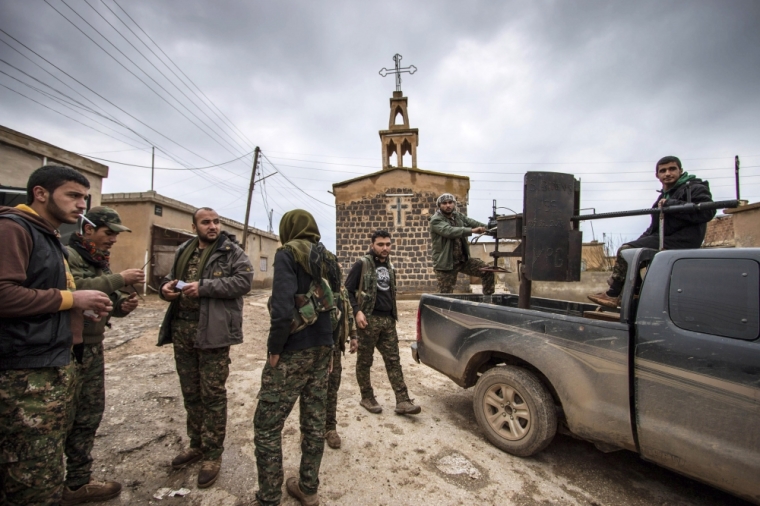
(399, 70)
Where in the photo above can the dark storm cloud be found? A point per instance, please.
(591, 84)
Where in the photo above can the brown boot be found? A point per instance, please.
(407, 408)
(92, 492)
(189, 456)
(294, 489)
(209, 472)
(605, 300)
(371, 405)
(333, 439)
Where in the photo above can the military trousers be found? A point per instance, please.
(471, 267)
(380, 333)
(86, 413)
(333, 385)
(202, 376)
(299, 375)
(34, 415)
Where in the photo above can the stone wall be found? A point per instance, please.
(411, 255)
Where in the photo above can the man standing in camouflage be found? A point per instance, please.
(371, 286)
(346, 332)
(449, 230)
(38, 309)
(299, 352)
(210, 275)
(89, 260)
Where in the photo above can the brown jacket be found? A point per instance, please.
(226, 277)
(16, 300)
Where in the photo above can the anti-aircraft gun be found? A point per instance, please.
(548, 229)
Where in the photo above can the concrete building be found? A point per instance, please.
(160, 224)
(20, 155)
(736, 228)
(399, 199)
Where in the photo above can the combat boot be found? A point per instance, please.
(333, 439)
(371, 405)
(407, 408)
(209, 472)
(94, 491)
(189, 456)
(294, 489)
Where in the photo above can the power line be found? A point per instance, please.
(291, 182)
(250, 143)
(160, 72)
(169, 68)
(172, 168)
(127, 69)
(174, 157)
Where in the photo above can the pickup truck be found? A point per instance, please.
(675, 376)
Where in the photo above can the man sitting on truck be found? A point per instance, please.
(682, 230)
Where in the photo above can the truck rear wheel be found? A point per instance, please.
(514, 410)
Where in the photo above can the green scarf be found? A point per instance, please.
(299, 234)
(180, 269)
(685, 177)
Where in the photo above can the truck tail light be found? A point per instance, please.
(419, 326)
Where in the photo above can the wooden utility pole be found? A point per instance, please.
(152, 165)
(250, 195)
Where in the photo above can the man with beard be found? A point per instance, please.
(371, 286)
(299, 348)
(449, 230)
(682, 230)
(210, 275)
(89, 257)
(39, 309)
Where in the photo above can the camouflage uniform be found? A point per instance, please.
(620, 269)
(299, 375)
(34, 414)
(448, 279)
(380, 333)
(347, 330)
(202, 375)
(88, 404)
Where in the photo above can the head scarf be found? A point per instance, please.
(89, 252)
(446, 197)
(299, 234)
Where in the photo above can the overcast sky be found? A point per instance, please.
(597, 89)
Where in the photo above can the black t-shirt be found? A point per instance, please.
(384, 301)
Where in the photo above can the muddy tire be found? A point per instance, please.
(514, 410)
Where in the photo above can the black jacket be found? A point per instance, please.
(290, 279)
(683, 230)
(42, 340)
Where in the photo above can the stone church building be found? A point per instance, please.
(399, 199)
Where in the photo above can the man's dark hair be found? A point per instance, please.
(668, 159)
(51, 177)
(195, 214)
(379, 233)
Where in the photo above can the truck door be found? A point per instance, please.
(697, 366)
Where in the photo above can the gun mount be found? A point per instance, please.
(548, 229)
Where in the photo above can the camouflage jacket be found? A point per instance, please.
(443, 234)
(363, 291)
(90, 277)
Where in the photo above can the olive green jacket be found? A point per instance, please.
(90, 277)
(443, 234)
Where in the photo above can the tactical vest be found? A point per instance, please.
(368, 286)
(44, 340)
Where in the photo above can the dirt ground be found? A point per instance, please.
(438, 457)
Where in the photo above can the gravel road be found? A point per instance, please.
(438, 457)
